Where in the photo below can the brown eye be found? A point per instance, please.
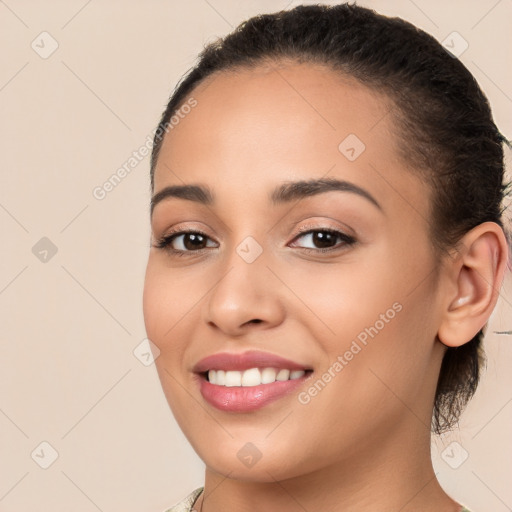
(323, 239)
(186, 241)
(192, 241)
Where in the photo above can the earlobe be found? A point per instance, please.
(477, 274)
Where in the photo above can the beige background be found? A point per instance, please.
(69, 326)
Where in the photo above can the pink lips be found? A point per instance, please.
(246, 399)
(245, 361)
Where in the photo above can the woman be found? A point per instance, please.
(327, 246)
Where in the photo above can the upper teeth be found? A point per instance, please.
(252, 377)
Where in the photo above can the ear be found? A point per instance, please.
(475, 276)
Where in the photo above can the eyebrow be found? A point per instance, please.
(285, 193)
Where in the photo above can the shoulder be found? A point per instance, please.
(186, 504)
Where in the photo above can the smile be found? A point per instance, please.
(249, 381)
(252, 377)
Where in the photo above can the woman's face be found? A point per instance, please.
(336, 278)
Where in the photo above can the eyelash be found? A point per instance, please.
(166, 241)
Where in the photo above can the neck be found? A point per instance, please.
(380, 476)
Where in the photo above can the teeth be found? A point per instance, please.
(220, 377)
(252, 377)
(268, 375)
(233, 378)
(283, 375)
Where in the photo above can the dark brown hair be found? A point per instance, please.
(445, 127)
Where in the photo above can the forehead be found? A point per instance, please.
(253, 127)
(249, 107)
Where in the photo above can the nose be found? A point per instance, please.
(247, 296)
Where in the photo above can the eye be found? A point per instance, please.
(317, 240)
(185, 241)
(323, 240)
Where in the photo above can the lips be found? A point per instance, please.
(245, 361)
(229, 391)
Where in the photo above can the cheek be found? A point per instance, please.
(165, 314)
(163, 311)
(343, 300)
(155, 295)
(378, 318)
(167, 300)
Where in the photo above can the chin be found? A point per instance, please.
(248, 464)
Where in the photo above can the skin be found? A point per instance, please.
(363, 442)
